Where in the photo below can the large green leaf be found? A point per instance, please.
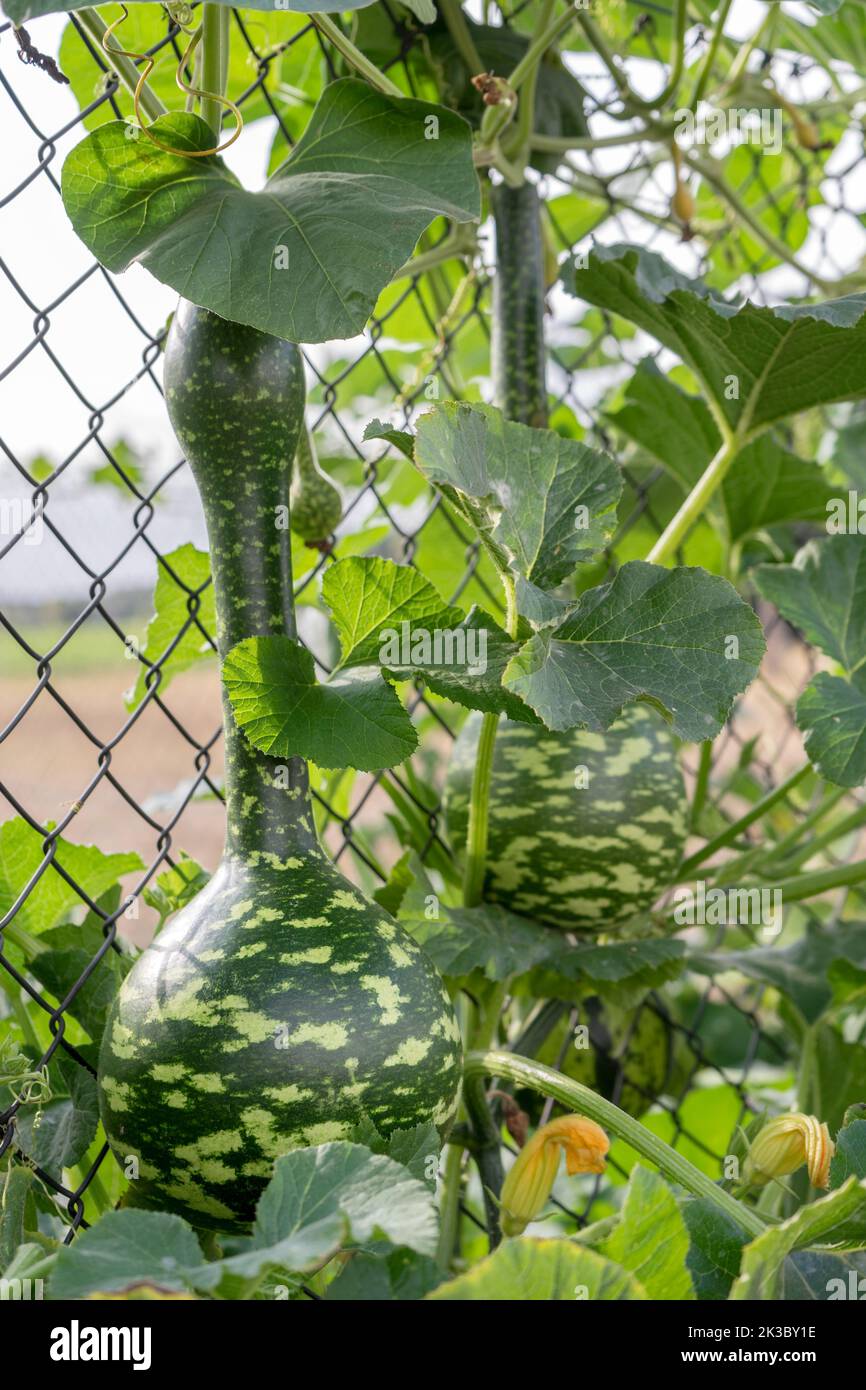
(305, 258)
(831, 712)
(486, 938)
(52, 898)
(71, 949)
(541, 1271)
(127, 1247)
(766, 485)
(368, 595)
(837, 1220)
(356, 720)
(16, 1189)
(715, 1250)
(181, 631)
(380, 608)
(20, 11)
(651, 1238)
(541, 503)
(318, 1200)
(849, 1159)
(757, 364)
(683, 637)
(824, 593)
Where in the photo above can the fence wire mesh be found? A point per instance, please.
(81, 412)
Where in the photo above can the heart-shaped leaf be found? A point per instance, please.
(355, 721)
(683, 637)
(307, 257)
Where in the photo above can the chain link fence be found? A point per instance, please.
(720, 1040)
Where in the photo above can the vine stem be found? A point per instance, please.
(736, 828)
(582, 1100)
(537, 49)
(835, 832)
(716, 180)
(479, 801)
(692, 508)
(710, 56)
(214, 64)
(455, 20)
(449, 1206)
(359, 61)
(126, 70)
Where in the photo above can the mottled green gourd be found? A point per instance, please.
(281, 1006)
(517, 342)
(586, 829)
(316, 504)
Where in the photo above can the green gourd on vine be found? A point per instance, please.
(281, 1006)
(586, 829)
(315, 503)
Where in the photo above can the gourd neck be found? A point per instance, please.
(235, 397)
(518, 349)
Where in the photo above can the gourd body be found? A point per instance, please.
(586, 829)
(518, 348)
(316, 504)
(280, 1007)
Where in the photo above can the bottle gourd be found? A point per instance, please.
(586, 829)
(280, 1006)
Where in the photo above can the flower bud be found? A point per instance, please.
(784, 1145)
(532, 1175)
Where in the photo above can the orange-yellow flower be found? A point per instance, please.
(786, 1143)
(531, 1177)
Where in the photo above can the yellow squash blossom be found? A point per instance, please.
(786, 1143)
(531, 1177)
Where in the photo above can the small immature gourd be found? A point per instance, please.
(586, 829)
(316, 504)
(280, 1007)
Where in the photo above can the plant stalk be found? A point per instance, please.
(214, 63)
(128, 74)
(581, 1099)
(693, 507)
(353, 55)
(461, 35)
(736, 828)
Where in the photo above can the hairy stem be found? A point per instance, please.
(214, 63)
(461, 35)
(353, 55)
(693, 507)
(584, 1101)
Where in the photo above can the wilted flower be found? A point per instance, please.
(531, 1177)
(786, 1143)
